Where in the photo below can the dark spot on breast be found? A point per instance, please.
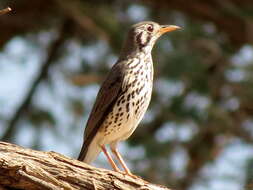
(133, 94)
(121, 98)
(128, 97)
(142, 86)
(137, 72)
(133, 66)
(139, 40)
(145, 95)
(142, 102)
(140, 89)
(133, 83)
(137, 109)
(127, 107)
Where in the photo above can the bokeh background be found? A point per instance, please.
(198, 131)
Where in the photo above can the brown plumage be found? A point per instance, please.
(124, 95)
(106, 98)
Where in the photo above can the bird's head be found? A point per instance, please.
(142, 36)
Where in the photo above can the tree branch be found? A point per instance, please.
(29, 169)
(72, 10)
(85, 79)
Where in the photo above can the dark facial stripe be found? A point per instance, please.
(141, 40)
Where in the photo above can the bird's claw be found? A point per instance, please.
(129, 174)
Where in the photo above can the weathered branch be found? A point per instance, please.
(29, 169)
(4, 11)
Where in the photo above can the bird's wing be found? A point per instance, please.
(106, 98)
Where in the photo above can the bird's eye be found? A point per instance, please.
(150, 28)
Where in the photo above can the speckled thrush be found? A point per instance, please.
(124, 95)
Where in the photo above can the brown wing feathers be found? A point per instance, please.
(106, 98)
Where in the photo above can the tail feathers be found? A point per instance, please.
(83, 152)
(89, 153)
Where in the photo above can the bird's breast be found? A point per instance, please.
(138, 88)
(132, 102)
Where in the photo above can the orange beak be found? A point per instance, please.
(168, 28)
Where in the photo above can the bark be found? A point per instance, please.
(24, 168)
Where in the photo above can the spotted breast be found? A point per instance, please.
(132, 102)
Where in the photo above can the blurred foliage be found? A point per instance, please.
(199, 122)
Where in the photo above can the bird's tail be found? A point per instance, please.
(89, 152)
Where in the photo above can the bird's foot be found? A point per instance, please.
(131, 175)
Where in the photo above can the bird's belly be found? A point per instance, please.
(127, 113)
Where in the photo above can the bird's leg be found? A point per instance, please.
(120, 159)
(109, 158)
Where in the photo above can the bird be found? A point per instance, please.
(124, 95)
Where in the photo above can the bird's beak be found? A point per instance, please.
(168, 28)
